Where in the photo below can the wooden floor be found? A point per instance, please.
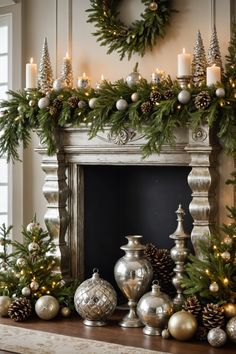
(115, 334)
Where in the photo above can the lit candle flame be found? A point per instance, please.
(84, 75)
(102, 77)
(183, 50)
(31, 60)
(67, 55)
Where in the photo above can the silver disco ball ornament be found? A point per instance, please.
(95, 300)
(216, 337)
(231, 329)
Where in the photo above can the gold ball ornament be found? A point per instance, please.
(65, 311)
(34, 285)
(226, 256)
(182, 325)
(229, 310)
(231, 329)
(227, 241)
(153, 6)
(214, 287)
(21, 262)
(32, 103)
(5, 302)
(47, 307)
(26, 291)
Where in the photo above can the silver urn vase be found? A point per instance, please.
(133, 274)
(154, 310)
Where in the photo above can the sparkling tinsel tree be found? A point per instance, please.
(45, 76)
(230, 65)
(199, 62)
(214, 56)
(66, 72)
(213, 277)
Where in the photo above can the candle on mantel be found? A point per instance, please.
(98, 84)
(83, 81)
(157, 76)
(31, 75)
(213, 75)
(184, 64)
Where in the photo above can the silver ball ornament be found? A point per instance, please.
(59, 84)
(47, 307)
(184, 96)
(153, 6)
(33, 247)
(214, 287)
(133, 79)
(34, 285)
(26, 291)
(82, 104)
(220, 92)
(5, 302)
(216, 337)
(43, 102)
(231, 329)
(121, 104)
(135, 97)
(92, 102)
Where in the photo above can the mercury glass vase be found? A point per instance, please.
(133, 274)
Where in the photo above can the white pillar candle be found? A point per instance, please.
(31, 75)
(213, 75)
(184, 64)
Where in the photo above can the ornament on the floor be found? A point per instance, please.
(47, 307)
(202, 100)
(155, 96)
(66, 71)
(229, 310)
(32, 103)
(45, 76)
(34, 285)
(65, 311)
(33, 247)
(212, 316)
(21, 262)
(220, 92)
(154, 310)
(214, 287)
(95, 300)
(135, 97)
(225, 256)
(216, 337)
(5, 303)
(146, 107)
(153, 6)
(165, 333)
(26, 291)
(73, 102)
(121, 104)
(82, 104)
(192, 305)
(214, 56)
(20, 309)
(182, 325)
(199, 62)
(184, 96)
(231, 329)
(59, 84)
(134, 77)
(43, 102)
(92, 102)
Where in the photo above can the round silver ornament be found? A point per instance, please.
(154, 310)
(220, 92)
(59, 84)
(92, 102)
(216, 337)
(165, 333)
(133, 79)
(65, 311)
(184, 96)
(43, 102)
(5, 302)
(33, 226)
(226, 256)
(95, 300)
(153, 6)
(33, 247)
(82, 104)
(47, 307)
(21, 262)
(214, 287)
(231, 329)
(135, 97)
(34, 285)
(26, 291)
(121, 104)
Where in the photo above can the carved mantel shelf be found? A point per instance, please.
(64, 188)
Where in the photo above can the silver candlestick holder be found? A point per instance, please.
(184, 81)
(179, 254)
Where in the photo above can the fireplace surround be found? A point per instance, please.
(64, 181)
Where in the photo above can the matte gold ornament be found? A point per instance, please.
(153, 6)
(229, 310)
(5, 303)
(182, 325)
(32, 103)
(226, 256)
(135, 97)
(231, 329)
(214, 287)
(65, 311)
(34, 285)
(26, 291)
(47, 307)
(216, 337)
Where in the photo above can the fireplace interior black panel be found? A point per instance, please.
(127, 200)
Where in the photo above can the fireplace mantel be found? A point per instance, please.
(63, 187)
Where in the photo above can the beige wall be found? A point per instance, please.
(52, 19)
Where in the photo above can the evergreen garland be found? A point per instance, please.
(111, 31)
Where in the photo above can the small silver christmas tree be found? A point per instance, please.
(214, 56)
(66, 72)
(45, 76)
(199, 62)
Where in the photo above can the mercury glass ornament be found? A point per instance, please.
(26, 291)
(231, 329)
(135, 97)
(134, 77)
(59, 84)
(153, 6)
(34, 285)
(133, 274)
(47, 307)
(220, 92)
(33, 247)
(5, 302)
(154, 310)
(214, 287)
(21, 262)
(182, 325)
(95, 300)
(226, 256)
(216, 337)
(229, 310)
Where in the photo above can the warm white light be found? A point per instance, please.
(183, 50)
(102, 77)
(31, 60)
(84, 75)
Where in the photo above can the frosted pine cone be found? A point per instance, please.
(146, 107)
(20, 309)
(212, 316)
(202, 100)
(193, 306)
(73, 101)
(155, 96)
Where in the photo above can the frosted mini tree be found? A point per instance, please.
(199, 62)
(214, 56)
(66, 72)
(45, 76)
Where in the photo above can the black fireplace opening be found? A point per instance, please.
(130, 200)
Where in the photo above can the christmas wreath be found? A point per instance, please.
(141, 34)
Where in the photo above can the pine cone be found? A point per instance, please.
(193, 306)
(212, 316)
(20, 309)
(73, 101)
(53, 111)
(155, 96)
(146, 107)
(202, 100)
(169, 94)
(57, 103)
(201, 334)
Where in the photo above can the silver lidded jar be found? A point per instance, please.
(154, 310)
(133, 274)
(95, 300)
